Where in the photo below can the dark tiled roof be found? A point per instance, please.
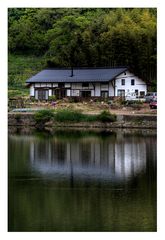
(79, 75)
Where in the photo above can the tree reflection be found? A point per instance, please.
(114, 158)
(83, 183)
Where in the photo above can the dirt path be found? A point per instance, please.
(97, 107)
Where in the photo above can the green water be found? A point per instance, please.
(82, 181)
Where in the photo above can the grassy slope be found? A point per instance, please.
(20, 68)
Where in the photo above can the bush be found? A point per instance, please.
(43, 116)
(52, 98)
(32, 99)
(90, 118)
(106, 116)
(18, 117)
(67, 115)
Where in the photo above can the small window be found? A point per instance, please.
(85, 94)
(132, 81)
(120, 93)
(104, 94)
(142, 93)
(122, 81)
(125, 73)
(136, 92)
(41, 94)
(85, 84)
(61, 85)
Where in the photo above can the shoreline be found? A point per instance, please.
(141, 121)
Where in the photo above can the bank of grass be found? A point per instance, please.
(43, 116)
(73, 116)
(15, 93)
(67, 115)
(20, 68)
(76, 116)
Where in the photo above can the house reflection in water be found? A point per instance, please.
(113, 158)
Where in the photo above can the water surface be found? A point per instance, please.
(82, 181)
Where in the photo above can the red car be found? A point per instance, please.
(153, 104)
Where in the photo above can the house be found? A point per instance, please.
(94, 82)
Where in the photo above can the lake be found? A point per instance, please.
(79, 180)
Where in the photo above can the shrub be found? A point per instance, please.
(52, 98)
(106, 116)
(90, 118)
(67, 115)
(18, 117)
(43, 116)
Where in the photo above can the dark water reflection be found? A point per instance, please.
(82, 181)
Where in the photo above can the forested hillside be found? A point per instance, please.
(81, 38)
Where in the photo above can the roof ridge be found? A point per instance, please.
(85, 68)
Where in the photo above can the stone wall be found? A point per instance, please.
(123, 121)
(21, 119)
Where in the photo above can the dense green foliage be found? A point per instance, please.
(105, 116)
(86, 38)
(43, 116)
(68, 115)
(20, 69)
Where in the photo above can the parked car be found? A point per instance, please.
(150, 96)
(133, 97)
(153, 104)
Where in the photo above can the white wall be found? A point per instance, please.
(75, 93)
(139, 84)
(32, 90)
(50, 93)
(37, 84)
(104, 86)
(97, 89)
(111, 89)
(76, 86)
(92, 93)
(67, 85)
(68, 92)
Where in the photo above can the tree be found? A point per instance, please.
(87, 37)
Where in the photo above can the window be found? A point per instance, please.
(85, 84)
(41, 94)
(122, 81)
(59, 93)
(136, 92)
(142, 93)
(104, 94)
(132, 81)
(121, 93)
(61, 85)
(85, 93)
